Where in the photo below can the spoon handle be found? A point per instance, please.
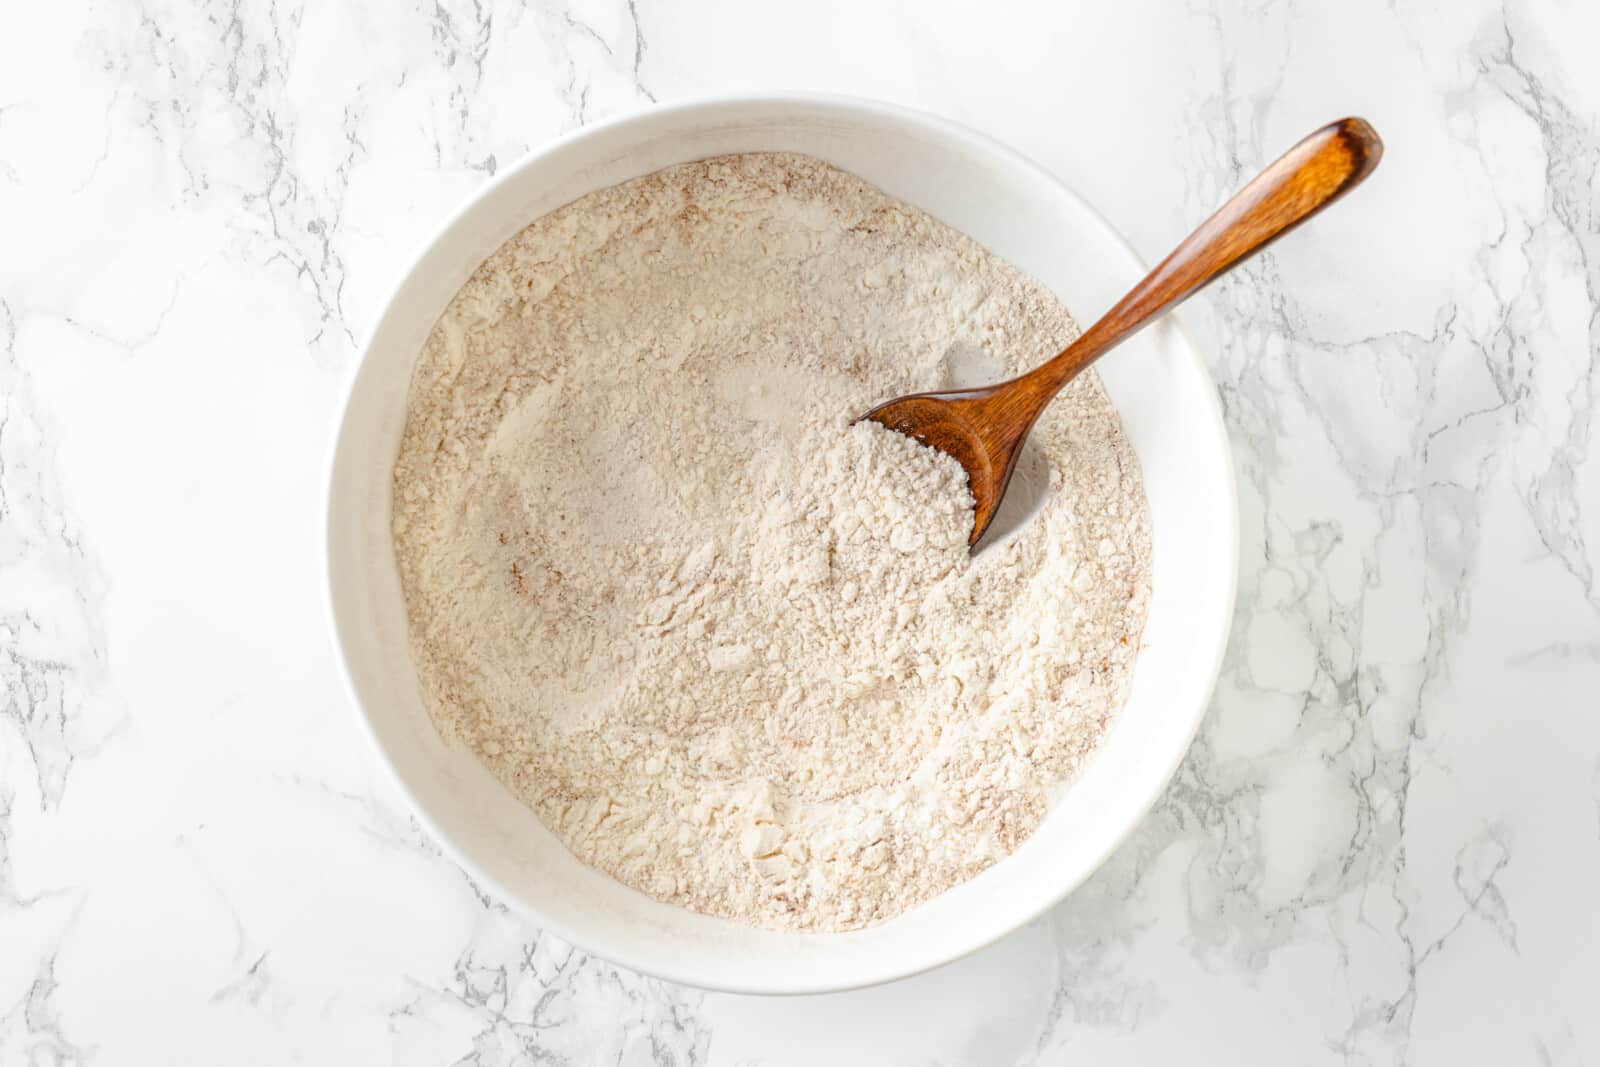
(1309, 177)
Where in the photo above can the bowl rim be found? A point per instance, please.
(618, 953)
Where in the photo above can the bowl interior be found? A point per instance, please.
(1168, 408)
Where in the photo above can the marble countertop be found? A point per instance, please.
(1384, 848)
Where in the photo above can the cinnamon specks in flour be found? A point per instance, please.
(732, 649)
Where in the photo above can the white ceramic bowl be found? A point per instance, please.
(1159, 386)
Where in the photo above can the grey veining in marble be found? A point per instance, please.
(1383, 849)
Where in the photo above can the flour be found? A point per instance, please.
(732, 649)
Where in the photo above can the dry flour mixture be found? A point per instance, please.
(732, 649)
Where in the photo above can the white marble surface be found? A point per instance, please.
(1385, 846)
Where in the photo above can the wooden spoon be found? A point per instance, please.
(984, 428)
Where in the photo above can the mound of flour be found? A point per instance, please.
(732, 649)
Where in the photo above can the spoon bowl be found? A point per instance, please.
(959, 424)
